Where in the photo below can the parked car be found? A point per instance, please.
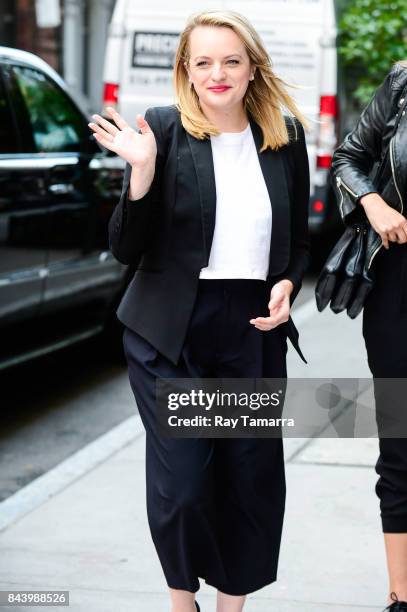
(301, 37)
(59, 283)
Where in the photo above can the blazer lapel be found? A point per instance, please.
(201, 151)
(272, 166)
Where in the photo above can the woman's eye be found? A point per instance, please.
(201, 63)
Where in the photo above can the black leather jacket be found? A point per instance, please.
(355, 158)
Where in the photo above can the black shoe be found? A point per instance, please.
(397, 606)
(199, 609)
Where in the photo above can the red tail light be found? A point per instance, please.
(318, 206)
(328, 106)
(328, 115)
(324, 161)
(110, 94)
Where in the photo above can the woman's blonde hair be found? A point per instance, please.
(265, 98)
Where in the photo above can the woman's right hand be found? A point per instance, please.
(385, 220)
(139, 150)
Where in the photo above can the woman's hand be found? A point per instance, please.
(387, 222)
(279, 307)
(139, 150)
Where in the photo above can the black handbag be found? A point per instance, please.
(346, 279)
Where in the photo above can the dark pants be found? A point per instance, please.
(215, 506)
(385, 332)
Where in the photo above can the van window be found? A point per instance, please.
(8, 135)
(57, 126)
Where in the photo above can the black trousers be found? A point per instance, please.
(385, 333)
(215, 506)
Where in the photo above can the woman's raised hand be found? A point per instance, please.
(139, 150)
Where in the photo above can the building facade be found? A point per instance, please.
(68, 34)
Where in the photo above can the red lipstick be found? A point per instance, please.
(219, 88)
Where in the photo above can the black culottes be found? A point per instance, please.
(385, 333)
(215, 506)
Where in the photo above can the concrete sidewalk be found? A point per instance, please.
(83, 527)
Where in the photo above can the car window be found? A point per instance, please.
(57, 126)
(8, 135)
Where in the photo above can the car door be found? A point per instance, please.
(22, 238)
(80, 269)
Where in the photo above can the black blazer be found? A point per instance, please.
(167, 234)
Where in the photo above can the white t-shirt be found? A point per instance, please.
(241, 240)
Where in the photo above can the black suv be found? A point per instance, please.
(58, 280)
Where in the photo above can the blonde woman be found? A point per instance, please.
(213, 214)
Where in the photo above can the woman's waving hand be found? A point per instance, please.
(139, 150)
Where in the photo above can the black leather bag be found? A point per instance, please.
(346, 279)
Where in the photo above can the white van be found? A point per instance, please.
(300, 36)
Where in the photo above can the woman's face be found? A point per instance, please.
(219, 67)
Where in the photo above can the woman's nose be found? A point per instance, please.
(218, 72)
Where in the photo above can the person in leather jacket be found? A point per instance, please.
(385, 311)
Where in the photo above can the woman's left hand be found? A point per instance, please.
(279, 307)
